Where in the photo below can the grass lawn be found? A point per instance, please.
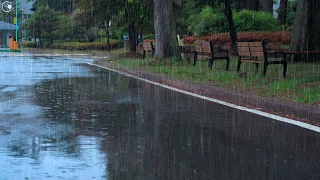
(302, 84)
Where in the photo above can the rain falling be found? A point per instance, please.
(159, 89)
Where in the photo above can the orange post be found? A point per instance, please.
(11, 44)
(16, 46)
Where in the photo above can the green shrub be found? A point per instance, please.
(83, 46)
(208, 22)
(291, 12)
(283, 37)
(30, 44)
(148, 36)
(63, 30)
(247, 20)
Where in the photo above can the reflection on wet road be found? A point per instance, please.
(61, 120)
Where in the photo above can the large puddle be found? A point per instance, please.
(61, 120)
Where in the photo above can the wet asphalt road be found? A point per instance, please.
(62, 120)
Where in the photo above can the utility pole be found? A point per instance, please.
(17, 26)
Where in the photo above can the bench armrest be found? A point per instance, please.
(221, 51)
(277, 55)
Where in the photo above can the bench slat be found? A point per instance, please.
(257, 54)
(198, 48)
(242, 44)
(147, 47)
(204, 56)
(220, 54)
(243, 48)
(206, 49)
(244, 53)
(252, 61)
(256, 48)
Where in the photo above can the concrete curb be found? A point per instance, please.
(305, 113)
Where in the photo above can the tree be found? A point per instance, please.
(65, 6)
(266, 5)
(43, 24)
(306, 34)
(165, 29)
(184, 9)
(232, 28)
(136, 12)
(96, 13)
(282, 11)
(247, 4)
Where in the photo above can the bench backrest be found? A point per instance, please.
(251, 49)
(147, 46)
(201, 46)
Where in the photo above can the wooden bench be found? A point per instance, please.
(206, 50)
(256, 52)
(147, 46)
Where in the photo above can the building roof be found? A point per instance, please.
(7, 26)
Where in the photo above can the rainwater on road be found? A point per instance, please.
(60, 119)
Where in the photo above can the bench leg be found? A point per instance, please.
(265, 69)
(239, 63)
(144, 54)
(285, 64)
(210, 63)
(257, 67)
(195, 59)
(228, 62)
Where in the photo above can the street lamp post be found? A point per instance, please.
(17, 26)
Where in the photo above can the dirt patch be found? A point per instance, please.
(311, 84)
(130, 55)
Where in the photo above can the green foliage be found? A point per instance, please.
(65, 6)
(31, 44)
(210, 21)
(207, 22)
(8, 17)
(63, 29)
(148, 36)
(247, 20)
(301, 84)
(291, 12)
(84, 46)
(183, 10)
(43, 24)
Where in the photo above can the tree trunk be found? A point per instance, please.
(232, 28)
(269, 6)
(247, 4)
(253, 5)
(108, 36)
(132, 37)
(165, 29)
(282, 11)
(266, 5)
(306, 34)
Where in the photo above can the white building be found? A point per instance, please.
(6, 30)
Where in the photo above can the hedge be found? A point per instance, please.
(85, 45)
(283, 37)
(31, 44)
